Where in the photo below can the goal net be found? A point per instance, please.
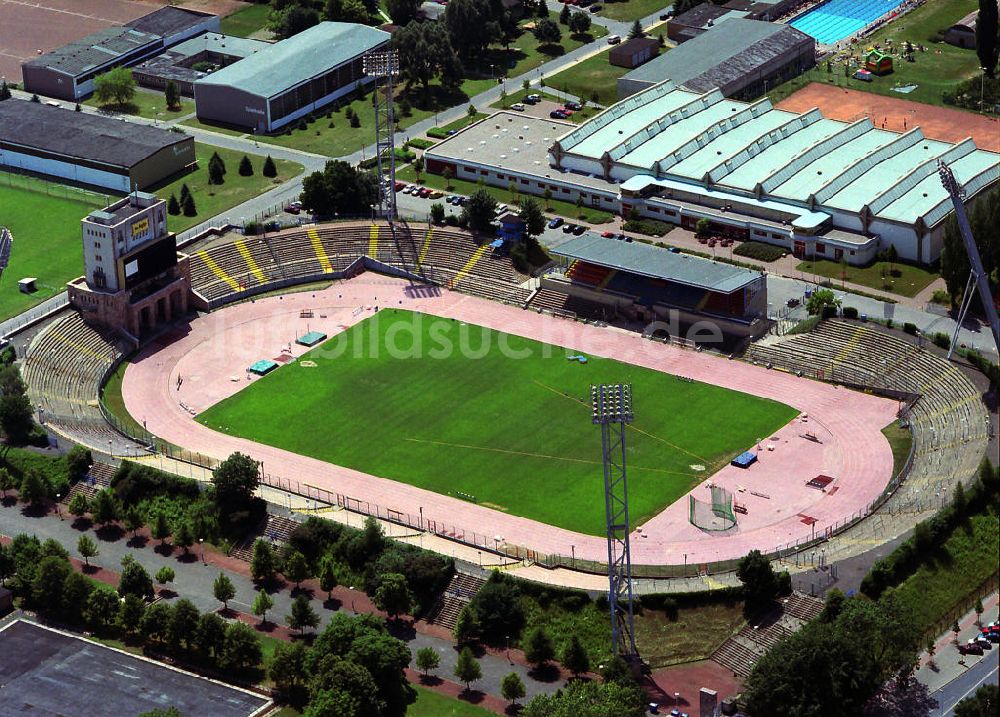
(715, 515)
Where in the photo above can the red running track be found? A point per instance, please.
(211, 355)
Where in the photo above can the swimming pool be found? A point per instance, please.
(838, 19)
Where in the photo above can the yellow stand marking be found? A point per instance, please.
(324, 261)
(373, 242)
(217, 270)
(468, 265)
(241, 245)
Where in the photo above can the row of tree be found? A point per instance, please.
(984, 220)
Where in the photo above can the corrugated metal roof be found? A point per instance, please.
(94, 50)
(299, 58)
(657, 263)
(169, 21)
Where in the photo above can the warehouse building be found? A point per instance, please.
(289, 79)
(634, 52)
(193, 59)
(89, 149)
(815, 186)
(68, 72)
(740, 57)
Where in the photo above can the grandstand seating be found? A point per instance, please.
(949, 422)
(275, 528)
(63, 370)
(441, 255)
(558, 302)
(584, 273)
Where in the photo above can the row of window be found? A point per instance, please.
(315, 89)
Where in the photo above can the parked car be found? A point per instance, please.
(424, 193)
(575, 106)
(566, 112)
(558, 114)
(555, 223)
(622, 237)
(517, 107)
(436, 194)
(792, 303)
(970, 648)
(293, 209)
(614, 39)
(533, 98)
(579, 229)
(567, 228)
(666, 16)
(595, 8)
(608, 235)
(983, 642)
(399, 185)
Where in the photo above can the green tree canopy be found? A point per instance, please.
(760, 584)
(115, 87)
(340, 189)
(235, 480)
(467, 668)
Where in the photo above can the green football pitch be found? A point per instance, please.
(44, 219)
(502, 420)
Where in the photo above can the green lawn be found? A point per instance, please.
(232, 132)
(44, 219)
(211, 200)
(633, 9)
(432, 704)
(911, 281)
(460, 123)
(462, 186)
(941, 68)
(900, 440)
(514, 431)
(595, 79)
(246, 21)
(968, 558)
(151, 105)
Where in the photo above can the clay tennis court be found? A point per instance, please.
(29, 26)
(212, 353)
(899, 115)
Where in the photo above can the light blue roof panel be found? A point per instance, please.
(886, 173)
(729, 144)
(748, 174)
(929, 192)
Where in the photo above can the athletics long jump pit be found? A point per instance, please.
(47, 672)
(406, 407)
(897, 115)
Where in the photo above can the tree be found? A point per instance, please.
(547, 32)
(579, 23)
(702, 227)
(261, 604)
(184, 536)
(480, 210)
(78, 461)
(498, 610)
(134, 579)
(87, 548)
(183, 626)
(564, 15)
(215, 173)
(115, 87)
(185, 192)
(287, 666)
(293, 20)
(636, 31)
(78, 504)
(448, 175)
(172, 95)
(211, 636)
(4, 91)
(246, 168)
(466, 626)
(538, 649)
(901, 696)
(302, 615)
(575, 657)
(102, 607)
(262, 561)
(130, 613)
(822, 300)
(47, 585)
(104, 507)
(542, 10)
(427, 660)
(402, 12)
(75, 593)
(467, 668)
(531, 213)
(471, 26)
(437, 213)
(7, 482)
(132, 519)
(188, 207)
(760, 584)
(16, 415)
(418, 167)
(512, 688)
(982, 704)
(155, 621)
(236, 480)
(339, 189)
(161, 528)
(393, 595)
(296, 568)
(987, 46)
(241, 648)
(581, 698)
(165, 575)
(327, 576)
(269, 170)
(223, 590)
(979, 612)
(956, 628)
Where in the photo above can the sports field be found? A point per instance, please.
(460, 409)
(44, 219)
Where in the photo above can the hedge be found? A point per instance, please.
(850, 312)
(649, 227)
(759, 251)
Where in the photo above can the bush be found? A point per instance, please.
(850, 312)
(989, 369)
(649, 227)
(759, 251)
(437, 133)
(941, 339)
(910, 328)
(828, 312)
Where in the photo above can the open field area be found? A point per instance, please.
(937, 70)
(492, 426)
(44, 219)
(213, 199)
(878, 275)
(151, 105)
(48, 672)
(594, 79)
(633, 9)
(692, 634)
(433, 704)
(247, 21)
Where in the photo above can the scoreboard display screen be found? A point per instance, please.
(149, 262)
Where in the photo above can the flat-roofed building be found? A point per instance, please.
(289, 79)
(89, 149)
(198, 57)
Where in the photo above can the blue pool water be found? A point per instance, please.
(838, 19)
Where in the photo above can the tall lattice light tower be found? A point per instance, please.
(384, 67)
(611, 406)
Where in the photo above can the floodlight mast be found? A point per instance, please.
(611, 409)
(384, 67)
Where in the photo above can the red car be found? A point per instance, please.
(424, 193)
(608, 235)
(399, 185)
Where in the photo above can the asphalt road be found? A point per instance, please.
(980, 673)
